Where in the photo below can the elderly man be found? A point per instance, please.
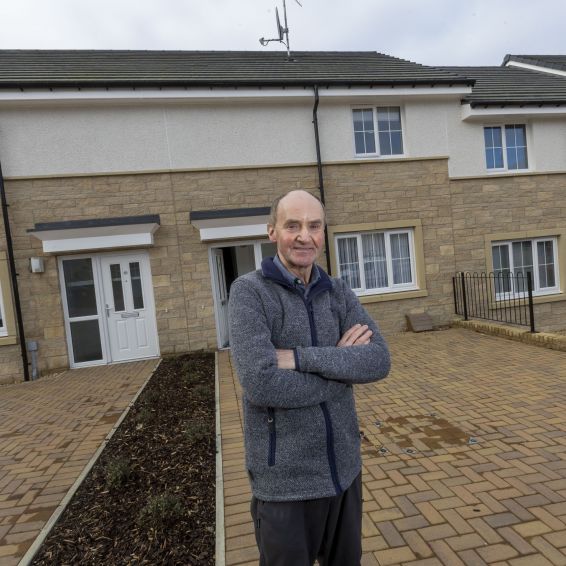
(300, 339)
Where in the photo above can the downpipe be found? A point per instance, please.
(320, 174)
(13, 277)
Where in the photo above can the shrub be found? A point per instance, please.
(196, 431)
(161, 511)
(117, 473)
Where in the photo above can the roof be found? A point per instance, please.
(512, 86)
(557, 62)
(88, 68)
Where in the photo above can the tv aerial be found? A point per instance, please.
(282, 31)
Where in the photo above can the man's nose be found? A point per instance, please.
(304, 233)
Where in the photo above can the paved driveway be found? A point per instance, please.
(49, 431)
(464, 451)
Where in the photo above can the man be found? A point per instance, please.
(299, 341)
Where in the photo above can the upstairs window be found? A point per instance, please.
(513, 260)
(377, 131)
(506, 147)
(377, 262)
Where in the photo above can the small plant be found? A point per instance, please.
(161, 511)
(117, 473)
(201, 390)
(196, 431)
(152, 398)
(145, 416)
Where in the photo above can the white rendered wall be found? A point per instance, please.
(83, 140)
(424, 127)
(102, 138)
(546, 144)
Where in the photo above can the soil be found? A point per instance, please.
(150, 497)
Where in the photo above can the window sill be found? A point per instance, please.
(380, 157)
(537, 300)
(508, 172)
(8, 340)
(397, 296)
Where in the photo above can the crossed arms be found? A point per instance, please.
(271, 378)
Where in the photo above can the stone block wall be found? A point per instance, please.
(454, 215)
(401, 190)
(509, 204)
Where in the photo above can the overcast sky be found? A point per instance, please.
(433, 32)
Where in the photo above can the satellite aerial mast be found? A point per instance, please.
(282, 32)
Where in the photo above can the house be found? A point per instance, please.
(139, 185)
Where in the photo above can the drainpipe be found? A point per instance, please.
(320, 176)
(13, 276)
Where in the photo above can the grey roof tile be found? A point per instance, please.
(557, 62)
(512, 86)
(85, 68)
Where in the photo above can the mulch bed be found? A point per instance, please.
(150, 498)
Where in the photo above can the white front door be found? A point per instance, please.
(128, 306)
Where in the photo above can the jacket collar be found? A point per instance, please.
(270, 271)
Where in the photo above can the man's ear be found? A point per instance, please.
(271, 233)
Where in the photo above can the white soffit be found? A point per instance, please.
(539, 68)
(231, 228)
(96, 237)
(206, 94)
(470, 114)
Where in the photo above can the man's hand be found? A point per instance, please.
(358, 335)
(285, 359)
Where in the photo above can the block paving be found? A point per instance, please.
(51, 428)
(464, 455)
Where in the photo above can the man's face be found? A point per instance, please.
(299, 232)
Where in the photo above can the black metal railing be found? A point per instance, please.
(501, 297)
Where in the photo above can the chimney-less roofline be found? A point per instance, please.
(100, 83)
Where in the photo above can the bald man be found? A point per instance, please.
(300, 340)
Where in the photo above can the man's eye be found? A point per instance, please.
(316, 226)
(292, 226)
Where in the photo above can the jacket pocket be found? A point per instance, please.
(272, 436)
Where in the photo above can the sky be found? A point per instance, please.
(433, 32)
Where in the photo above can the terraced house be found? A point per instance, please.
(138, 184)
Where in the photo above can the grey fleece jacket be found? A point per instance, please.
(300, 427)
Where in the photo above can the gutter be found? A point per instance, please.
(320, 175)
(13, 277)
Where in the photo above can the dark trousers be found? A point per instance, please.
(295, 533)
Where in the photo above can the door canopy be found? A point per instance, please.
(97, 233)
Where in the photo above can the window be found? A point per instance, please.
(377, 261)
(514, 259)
(377, 131)
(506, 152)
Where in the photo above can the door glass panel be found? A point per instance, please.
(117, 289)
(79, 287)
(135, 278)
(268, 250)
(85, 337)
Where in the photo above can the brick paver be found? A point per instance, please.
(464, 455)
(50, 429)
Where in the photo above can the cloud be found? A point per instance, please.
(437, 32)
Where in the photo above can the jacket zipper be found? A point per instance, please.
(272, 436)
(327, 419)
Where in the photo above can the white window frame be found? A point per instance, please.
(393, 287)
(4, 325)
(537, 290)
(505, 167)
(376, 132)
